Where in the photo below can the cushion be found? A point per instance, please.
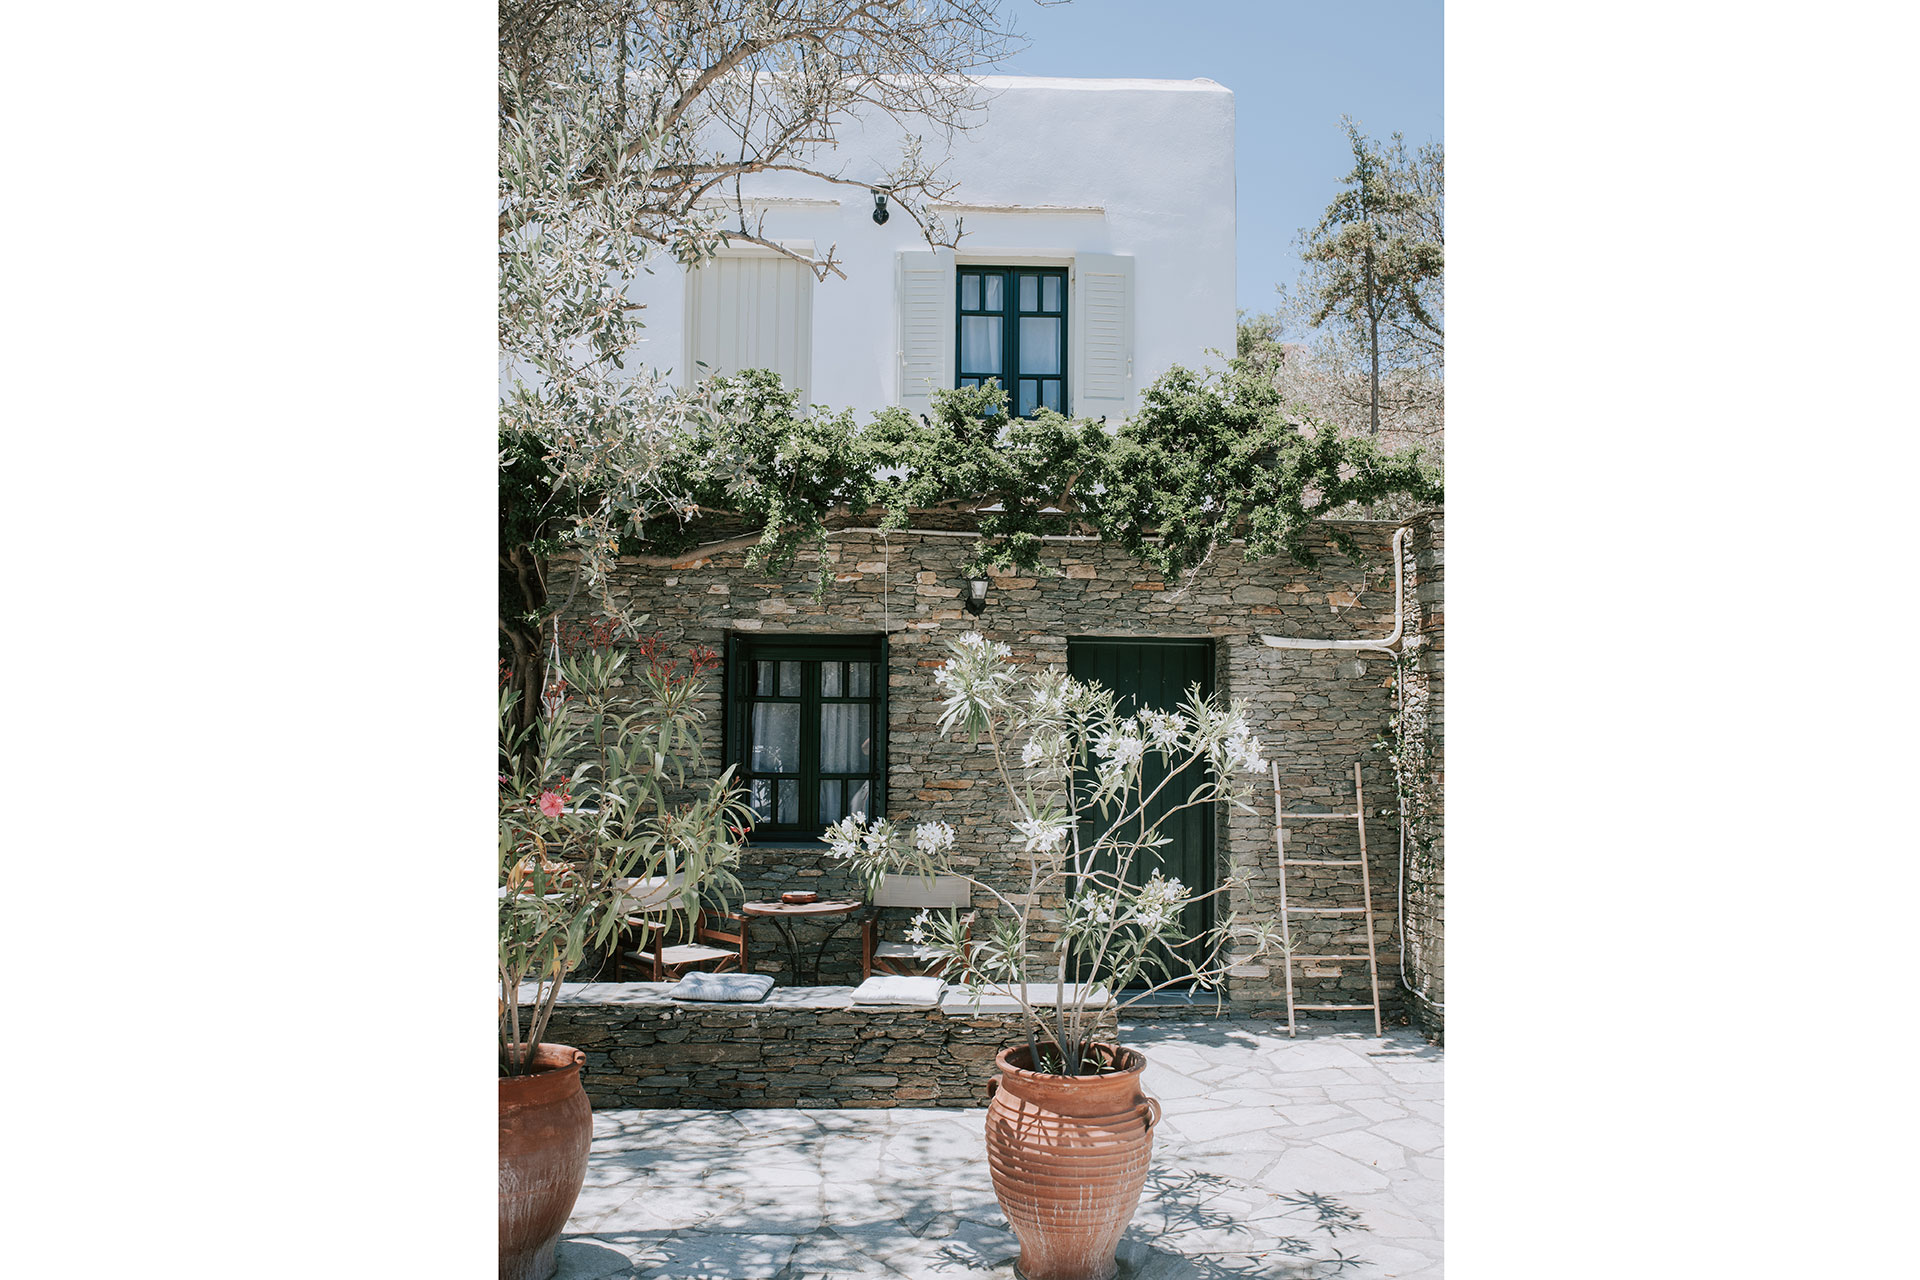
(889, 989)
(747, 988)
(906, 951)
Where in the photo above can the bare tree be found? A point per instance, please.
(1325, 374)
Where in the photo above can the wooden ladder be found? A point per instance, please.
(1287, 912)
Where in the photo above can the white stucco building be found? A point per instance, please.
(1098, 251)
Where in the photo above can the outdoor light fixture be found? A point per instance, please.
(976, 595)
(880, 208)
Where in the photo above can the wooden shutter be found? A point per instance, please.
(1102, 336)
(927, 334)
(752, 311)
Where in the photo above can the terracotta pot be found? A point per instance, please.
(1068, 1156)
(546, 1127)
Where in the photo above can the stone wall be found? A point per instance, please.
(1317, 712)
(1426, 794)
(806, 1047)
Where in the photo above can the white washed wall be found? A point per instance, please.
(1060, 168)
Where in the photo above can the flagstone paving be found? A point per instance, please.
(1308, 1159)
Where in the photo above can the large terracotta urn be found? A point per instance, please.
(1069, 1156)
(546, 1127)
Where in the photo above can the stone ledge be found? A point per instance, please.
(802, 1046)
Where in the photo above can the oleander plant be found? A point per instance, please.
(592, 796)
(1091, 814)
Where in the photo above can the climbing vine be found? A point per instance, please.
(1209, 457)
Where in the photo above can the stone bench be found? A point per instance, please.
(800, 1047)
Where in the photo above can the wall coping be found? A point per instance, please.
(956, 1002)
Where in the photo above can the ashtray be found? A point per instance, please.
(799, 897)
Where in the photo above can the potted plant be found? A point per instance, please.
(586, 806)
(1069, 1132)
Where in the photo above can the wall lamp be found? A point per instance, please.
(976, 595)
(880, 208)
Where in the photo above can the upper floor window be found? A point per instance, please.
(1013, 327)
(1058, 335)
(807, 729)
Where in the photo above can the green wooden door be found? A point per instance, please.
(1156, 675)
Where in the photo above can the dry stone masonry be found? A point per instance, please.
(1318, 712)
(811, 1047)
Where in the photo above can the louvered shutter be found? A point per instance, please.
(751, 311)
(1102, 334)
(924, 291)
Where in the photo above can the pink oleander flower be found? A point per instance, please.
(551, 804)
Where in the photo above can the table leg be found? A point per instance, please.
(821, 953)
(793, 946)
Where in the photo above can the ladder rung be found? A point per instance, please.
(1307, 817)
(1319, 862)
(1326, 911)
(1333, 1006)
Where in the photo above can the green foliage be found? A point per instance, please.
(1377, 260)
(1378, 241)
(1208, 458)
(588, 804)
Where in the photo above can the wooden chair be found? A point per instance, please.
(709, 946)
(914, 893)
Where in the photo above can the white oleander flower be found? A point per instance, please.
(1043, 749)
(843, 838)
(1163, 728)
(917, 931)
(932, 837)
(1043, 835)
(1121, 747)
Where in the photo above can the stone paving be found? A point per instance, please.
(1306, 1159)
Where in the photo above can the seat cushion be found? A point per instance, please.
(906, 951)
(745, 988)
(694, 953)
(887, 989)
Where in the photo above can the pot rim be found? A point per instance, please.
(555, 1073)
(1137, 1063)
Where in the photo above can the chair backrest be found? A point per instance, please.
(651, 893)
(917, 891)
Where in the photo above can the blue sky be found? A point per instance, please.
(1295, 67)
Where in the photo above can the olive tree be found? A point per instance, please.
(625, 129)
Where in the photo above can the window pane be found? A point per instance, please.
(763, 677)
(980, 344)
(969, 293)
(789, 679)
(1040, 345)
(830, 801)
(830, 683)
(1050, 293)
(1029, 396)
(860, 679)
(858, 800)
(776, 737)
(760, 799)
(995, 301)
(789, 802)
(845, 745)
(1050, 394)
(1029, 293)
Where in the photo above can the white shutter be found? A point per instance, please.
(924, 290)
(1102, 332)
(752, 311)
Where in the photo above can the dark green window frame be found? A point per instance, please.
(1037, 296)
(809, 686)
